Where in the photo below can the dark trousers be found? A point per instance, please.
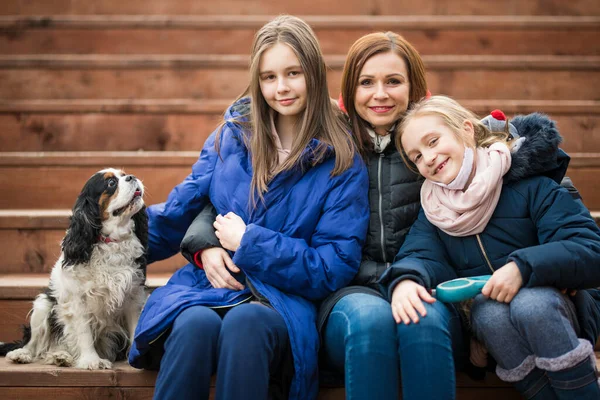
(244, 348)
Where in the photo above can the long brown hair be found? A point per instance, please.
(360, 52)
(318, 121)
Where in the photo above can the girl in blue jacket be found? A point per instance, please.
(492, 205)
(283, 175)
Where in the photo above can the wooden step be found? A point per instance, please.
(54, 179)
(36, 381)
(226, 76)
(30, 242)
(270, 7)
(233, 34)
(184, 124)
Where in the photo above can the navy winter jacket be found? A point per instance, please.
(537, 224)
(301, 244)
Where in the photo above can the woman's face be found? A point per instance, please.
(383, 91)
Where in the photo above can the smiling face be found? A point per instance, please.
(434, 148)
(383, 91)
(282, 81)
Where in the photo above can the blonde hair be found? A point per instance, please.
(454, 116)
(361, 51)
(318, 121)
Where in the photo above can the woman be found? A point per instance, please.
(382, 77)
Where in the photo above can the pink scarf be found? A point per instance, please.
(467, 213)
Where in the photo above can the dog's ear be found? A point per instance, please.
(83, 231)
(140, 220)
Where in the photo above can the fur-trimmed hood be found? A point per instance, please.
(538, 154)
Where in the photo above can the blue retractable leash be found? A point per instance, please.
(460, 289)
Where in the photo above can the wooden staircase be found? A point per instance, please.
(140, 84)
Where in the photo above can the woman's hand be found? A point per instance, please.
(229, 229)
(504, 284)
(407, 299)
(215, 262)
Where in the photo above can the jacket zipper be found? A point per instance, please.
(381, 155)
(487, 260)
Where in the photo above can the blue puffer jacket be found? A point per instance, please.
(301, 244)
(537, 224)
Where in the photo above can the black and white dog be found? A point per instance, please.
(87, 316)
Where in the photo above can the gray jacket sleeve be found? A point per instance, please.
(201, 234)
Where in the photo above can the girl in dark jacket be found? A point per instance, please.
(284, 176)
(487, 211)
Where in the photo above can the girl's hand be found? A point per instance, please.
(504, 284)
(229, 229)
(407, 300)
(215, 262)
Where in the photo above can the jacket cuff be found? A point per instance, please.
(523, 268)
(198, 259)
(247, 244)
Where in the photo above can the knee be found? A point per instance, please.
(361, 316)
(252, 325)
(533, 306)
(437, 319)
(488, 317)
(198, 324)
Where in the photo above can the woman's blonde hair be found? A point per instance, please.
(454, 116)
(360, 52)
(318, 121)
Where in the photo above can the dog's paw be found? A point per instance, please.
(93, 363)
(59, 358)
(20, 356)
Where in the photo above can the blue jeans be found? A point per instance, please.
(362, 340)
(534, 341)
(247, 344)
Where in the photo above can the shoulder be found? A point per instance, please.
(232, 131)
(533, 185)
(535, 192)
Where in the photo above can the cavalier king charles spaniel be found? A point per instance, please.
(87, 316)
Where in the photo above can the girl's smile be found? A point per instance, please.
(287, 102)
(441, 166)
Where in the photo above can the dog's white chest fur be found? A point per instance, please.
(105, 283)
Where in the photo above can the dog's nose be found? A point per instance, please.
(128, 178)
